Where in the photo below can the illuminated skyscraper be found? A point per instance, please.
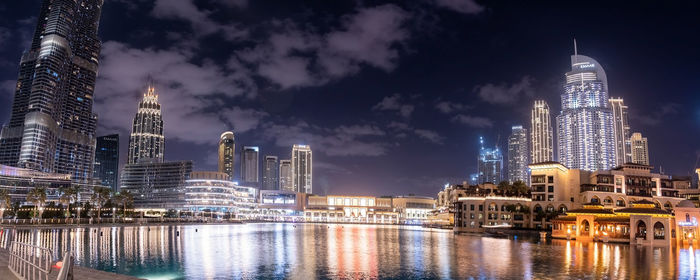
(518, 155)
(541, 140)
(286, 175)
(490, 164)
(621, 129)
(227, 153)
(302, 168)
(639, 151)
(585, 124)
(250, 170)
(107, 161)
(146, 142)
(52, 126)
(270, 173)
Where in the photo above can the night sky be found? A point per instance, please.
(391, 96)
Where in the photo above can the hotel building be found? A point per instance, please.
(621, 128)
(227, 153)
(518, 155)
(146, 142)
(271, 173)
(286, 176)
(302, 175)
(250, 166)
(639, 149)
(585, 125)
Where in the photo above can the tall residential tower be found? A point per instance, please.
(541, 140)
(518, 155)
(227, 153)
(270, 173)
(302, 168)
(621, 129)
(250, 166)
(585, 124)
(286, 175)
(639, 152)
(52, 126)
(146, 142)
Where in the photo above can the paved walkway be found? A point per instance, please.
(79, 271)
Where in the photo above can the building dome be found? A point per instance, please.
(686, 204)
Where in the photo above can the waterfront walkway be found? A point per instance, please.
(79, 271)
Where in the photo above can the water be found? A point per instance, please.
(314, 251)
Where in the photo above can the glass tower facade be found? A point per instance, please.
(107, 161)
(585, 124)
(541, 140)
(490, 165)
(518, 155)
(250, 166)
(286, 176)
(52, 126)
(621, 127)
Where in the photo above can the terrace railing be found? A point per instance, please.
(30, 261)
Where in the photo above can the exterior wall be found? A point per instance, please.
(158, 184)
(413, 209)
(215, 192)
(471, 213)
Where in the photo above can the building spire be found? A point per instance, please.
(575, 51)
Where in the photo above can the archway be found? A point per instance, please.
(585, 228)
(550, 208)
(562, 208)
(668, 205)
(641, 230)
(538, 208)
(595, 199)
(608, 200)
(620, 202)
(659, 231)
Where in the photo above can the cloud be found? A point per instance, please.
(657, 117)
(476, 122)
(462, 6)
(297, 57)
(330, 168)
(430, 135)
(188, 92)
(447, 107)
(504, 93)
(343, 141)
(394, 103)
(4, 35)
(200, 20)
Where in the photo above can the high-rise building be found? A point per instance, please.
(490, 165)
(227, 153)
(541, 140)
(107, 161)
(621, 128)
(286, 175)
(585, 124)
(52, 126)
(302, 168)
(518, 154)
(250, 166)
(146, 142)
(270, 173)
(156, 184)
(639, 149)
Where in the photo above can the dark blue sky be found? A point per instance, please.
(392, 96)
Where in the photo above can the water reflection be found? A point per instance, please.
(309, 251)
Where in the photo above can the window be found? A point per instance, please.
(550, 189)
(481, 207)
(471, 207)
(550, 179)
(550, 197)
(659, 231)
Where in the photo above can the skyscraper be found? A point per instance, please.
(146, 141)
(270, 173)
(227, 153)
(490, 164)
(518, 154)
(52, 126)
(250, 162)
(541, 140)
(639, 151)
(107, 161)
(585, 124)
(302, 168)
(621, 128)
(286, 175)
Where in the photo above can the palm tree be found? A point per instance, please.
(100, 195)
(520, 187)
(126, 198)
(6, 201)
(66, 198)
(37, 196)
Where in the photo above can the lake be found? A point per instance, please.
(321, 251)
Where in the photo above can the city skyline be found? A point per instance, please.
(418, 122)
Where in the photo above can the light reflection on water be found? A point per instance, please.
(309, 251)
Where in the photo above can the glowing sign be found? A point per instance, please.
(689, 222)
(587, 66)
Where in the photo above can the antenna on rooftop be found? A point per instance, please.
(575, 52)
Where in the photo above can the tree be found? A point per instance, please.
(126, 199)
(503, 187)
(6, 201)
(100, 195)
(66, 198)
(37, 196)
(520, 188)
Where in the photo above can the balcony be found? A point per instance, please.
(597, 188)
